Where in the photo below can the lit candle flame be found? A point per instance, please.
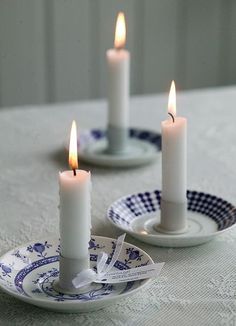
(172, 100)
(73, 158)
(120, 34)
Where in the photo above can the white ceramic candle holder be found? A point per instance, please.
(139, 215)
(30, 273)
(117, 140)
(119, 147)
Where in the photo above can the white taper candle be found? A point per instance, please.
(75, 218)
(174, 168)
(118, 65)
(118, 87)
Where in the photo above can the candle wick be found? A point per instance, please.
(119, 48)
(173, 118)
(74, 171)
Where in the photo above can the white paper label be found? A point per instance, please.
(133, 274)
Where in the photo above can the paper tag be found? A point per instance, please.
(133, 274)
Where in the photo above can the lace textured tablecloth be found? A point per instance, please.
(197, 285)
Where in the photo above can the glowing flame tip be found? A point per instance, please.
(73, 158)
(172, 99)
(120, 33)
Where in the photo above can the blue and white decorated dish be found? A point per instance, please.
(29, 271)
(138, 214)
(144, 146)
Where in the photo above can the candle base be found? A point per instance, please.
(173, 218)
(160, 229)
(69, 268)
(117, 140)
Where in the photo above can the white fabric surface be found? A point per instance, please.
(197, 285)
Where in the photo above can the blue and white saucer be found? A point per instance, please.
(29, 271)
(144, 146)
(138, 214)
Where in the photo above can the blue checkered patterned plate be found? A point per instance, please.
(29, 271)
(144, 147)
(137, 214)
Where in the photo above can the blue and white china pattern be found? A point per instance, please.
(39, 248)
(6, 270)
(126, 211)
(29, 271)
(98, 134)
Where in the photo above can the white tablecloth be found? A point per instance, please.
(197, 285)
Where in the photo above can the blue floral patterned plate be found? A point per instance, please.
(144, 147)
(138, 214)
(29, 271)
